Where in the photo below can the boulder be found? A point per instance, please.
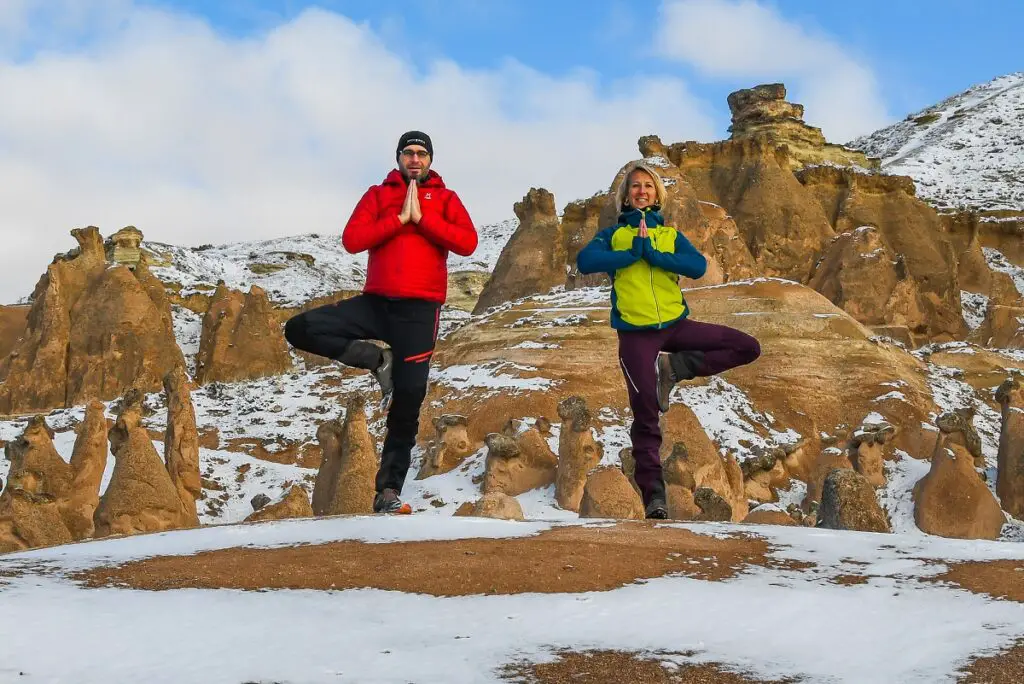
(346, 481)
(848, 502)
(294, 504)
(498, 505)
(608, 494)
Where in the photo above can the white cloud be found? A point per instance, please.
(160, 122)
(746, 39)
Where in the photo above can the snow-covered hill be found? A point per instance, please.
(966, 151)
(296, 269)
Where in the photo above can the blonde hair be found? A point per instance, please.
(622, 194)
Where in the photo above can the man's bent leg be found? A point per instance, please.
(412, 335)
(337, 331)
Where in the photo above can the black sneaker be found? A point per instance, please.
(383, 375)
(657, 509)
(387, 501)
(666, 380)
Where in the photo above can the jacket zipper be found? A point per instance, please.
(654, 293)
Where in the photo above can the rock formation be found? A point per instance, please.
(345, 482)
(848, 502)
(1010, 467)
(952, 500)
(762, 112)
(88, 462)
(294, 504)
(609, 494)
(141, 496)
(181, 440)
(92, 333)
(533, 260)
(241, 338)
(578, 452)
(451, 446)
(518, 460)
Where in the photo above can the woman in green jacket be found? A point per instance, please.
(658, 344)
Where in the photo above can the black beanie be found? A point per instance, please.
(415, 138)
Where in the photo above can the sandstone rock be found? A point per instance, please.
(952, 501)
(13, 325)
(608, 494)
(712, 506)
(628, 466)
(783, 226)
(141, 496)
(451, 446)
(38, 479)
(241, 338)
(518, 460)
(770, 515)
(861, 274)
(578, 452)
(181, 441)
(294, 504)
(1010, 472)
(498, 505)
(866, 452)
(533, 260)
(973, 273)
(465, 509)
(346, 482)
(581, 220)
(829, 460)
(848, 502)
(679, 485)
(762, 111)
(707, 469)
(329, 436)
(123, 247)
(910, 230)
(961, 431)
(1003, 325)
(92, 332)
(88, 462)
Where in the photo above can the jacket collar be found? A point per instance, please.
(631, 217)
(433, 180)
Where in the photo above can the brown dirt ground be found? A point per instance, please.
(567, 559)
(1002, 579)
(612, 667)
(1005, 668)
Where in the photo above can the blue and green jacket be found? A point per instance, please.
(644, 272)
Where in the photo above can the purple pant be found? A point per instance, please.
(723, 348)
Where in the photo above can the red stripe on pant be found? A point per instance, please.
(419, 358)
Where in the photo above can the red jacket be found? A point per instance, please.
(409, 260)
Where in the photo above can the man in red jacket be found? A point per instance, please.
(408, 223)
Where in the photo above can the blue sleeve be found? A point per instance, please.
(686, 260)
(599, 257)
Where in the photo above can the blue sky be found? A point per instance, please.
(920, 51)
(201, 121)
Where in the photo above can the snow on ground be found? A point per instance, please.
(967, 150)
(896, 626)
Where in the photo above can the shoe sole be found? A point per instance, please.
(404, 509)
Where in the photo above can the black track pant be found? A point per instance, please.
(409, 327)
